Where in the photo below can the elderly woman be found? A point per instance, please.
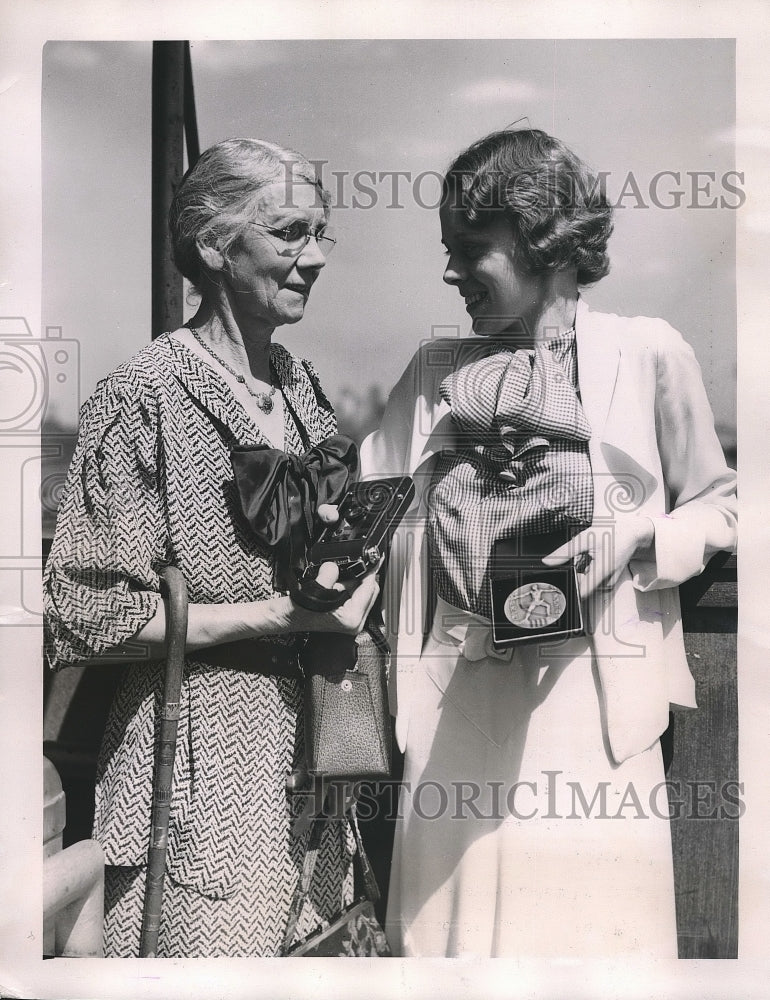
(152, 482)
(533, 818)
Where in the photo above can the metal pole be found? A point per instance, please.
(168, 73)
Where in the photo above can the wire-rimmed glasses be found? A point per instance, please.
(292, 240)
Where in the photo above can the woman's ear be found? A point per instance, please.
(212, 257)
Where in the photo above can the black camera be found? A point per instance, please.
(369, 514)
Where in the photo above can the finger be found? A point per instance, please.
(374, 570)
(371, 598)
(328, 513)
(366, 593)
(328, 574)
(557, 557)
(363, 587)
(567, 551)
(355, 610)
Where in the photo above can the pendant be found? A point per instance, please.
(265, 403)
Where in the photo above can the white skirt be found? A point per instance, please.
(517, 835)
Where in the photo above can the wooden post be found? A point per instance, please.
(168, 75)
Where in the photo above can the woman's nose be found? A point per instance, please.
(310, 255)
(453, 273)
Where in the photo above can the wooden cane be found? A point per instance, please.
(172, 582)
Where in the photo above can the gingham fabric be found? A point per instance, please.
(521, 464)
(151, 479)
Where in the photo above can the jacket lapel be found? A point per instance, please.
(621, 455)
(598, 361)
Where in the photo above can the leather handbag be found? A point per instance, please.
(355, 932)
(347, 721)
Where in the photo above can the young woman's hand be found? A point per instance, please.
(603, 551)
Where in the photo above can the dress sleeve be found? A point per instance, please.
(101, 581)
(702, 509)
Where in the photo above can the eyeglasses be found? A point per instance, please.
(291, 241)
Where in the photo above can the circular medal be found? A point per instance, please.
(535, 605)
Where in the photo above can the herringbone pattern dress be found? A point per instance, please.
(150, 481)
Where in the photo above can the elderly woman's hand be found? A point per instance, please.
(350, 617)
(329, 513)
(603, 551)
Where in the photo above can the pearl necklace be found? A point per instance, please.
(264, 400)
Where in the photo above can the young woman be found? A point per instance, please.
(533, 817)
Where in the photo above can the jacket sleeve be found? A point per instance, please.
(701, 515)
(101, 581)
(386, 451)
(393, 450)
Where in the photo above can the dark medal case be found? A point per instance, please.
(532, 602)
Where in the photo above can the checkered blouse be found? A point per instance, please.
(521, 464)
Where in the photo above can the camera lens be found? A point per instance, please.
(354, 513)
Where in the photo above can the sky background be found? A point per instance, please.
(634, 106)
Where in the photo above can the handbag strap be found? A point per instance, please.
(301, 893)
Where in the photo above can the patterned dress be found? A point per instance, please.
(151, 482)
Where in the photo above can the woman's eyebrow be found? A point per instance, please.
(470, 236)
(288, 215)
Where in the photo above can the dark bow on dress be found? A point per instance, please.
(280, 495)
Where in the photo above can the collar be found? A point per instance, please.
(206, 386)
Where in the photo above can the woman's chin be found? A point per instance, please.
(290, 316)
(483, 327)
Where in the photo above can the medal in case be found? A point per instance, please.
(532, 602)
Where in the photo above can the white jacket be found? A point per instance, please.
(653, 452)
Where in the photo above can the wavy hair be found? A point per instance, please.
(559, 213)
(216, 199)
